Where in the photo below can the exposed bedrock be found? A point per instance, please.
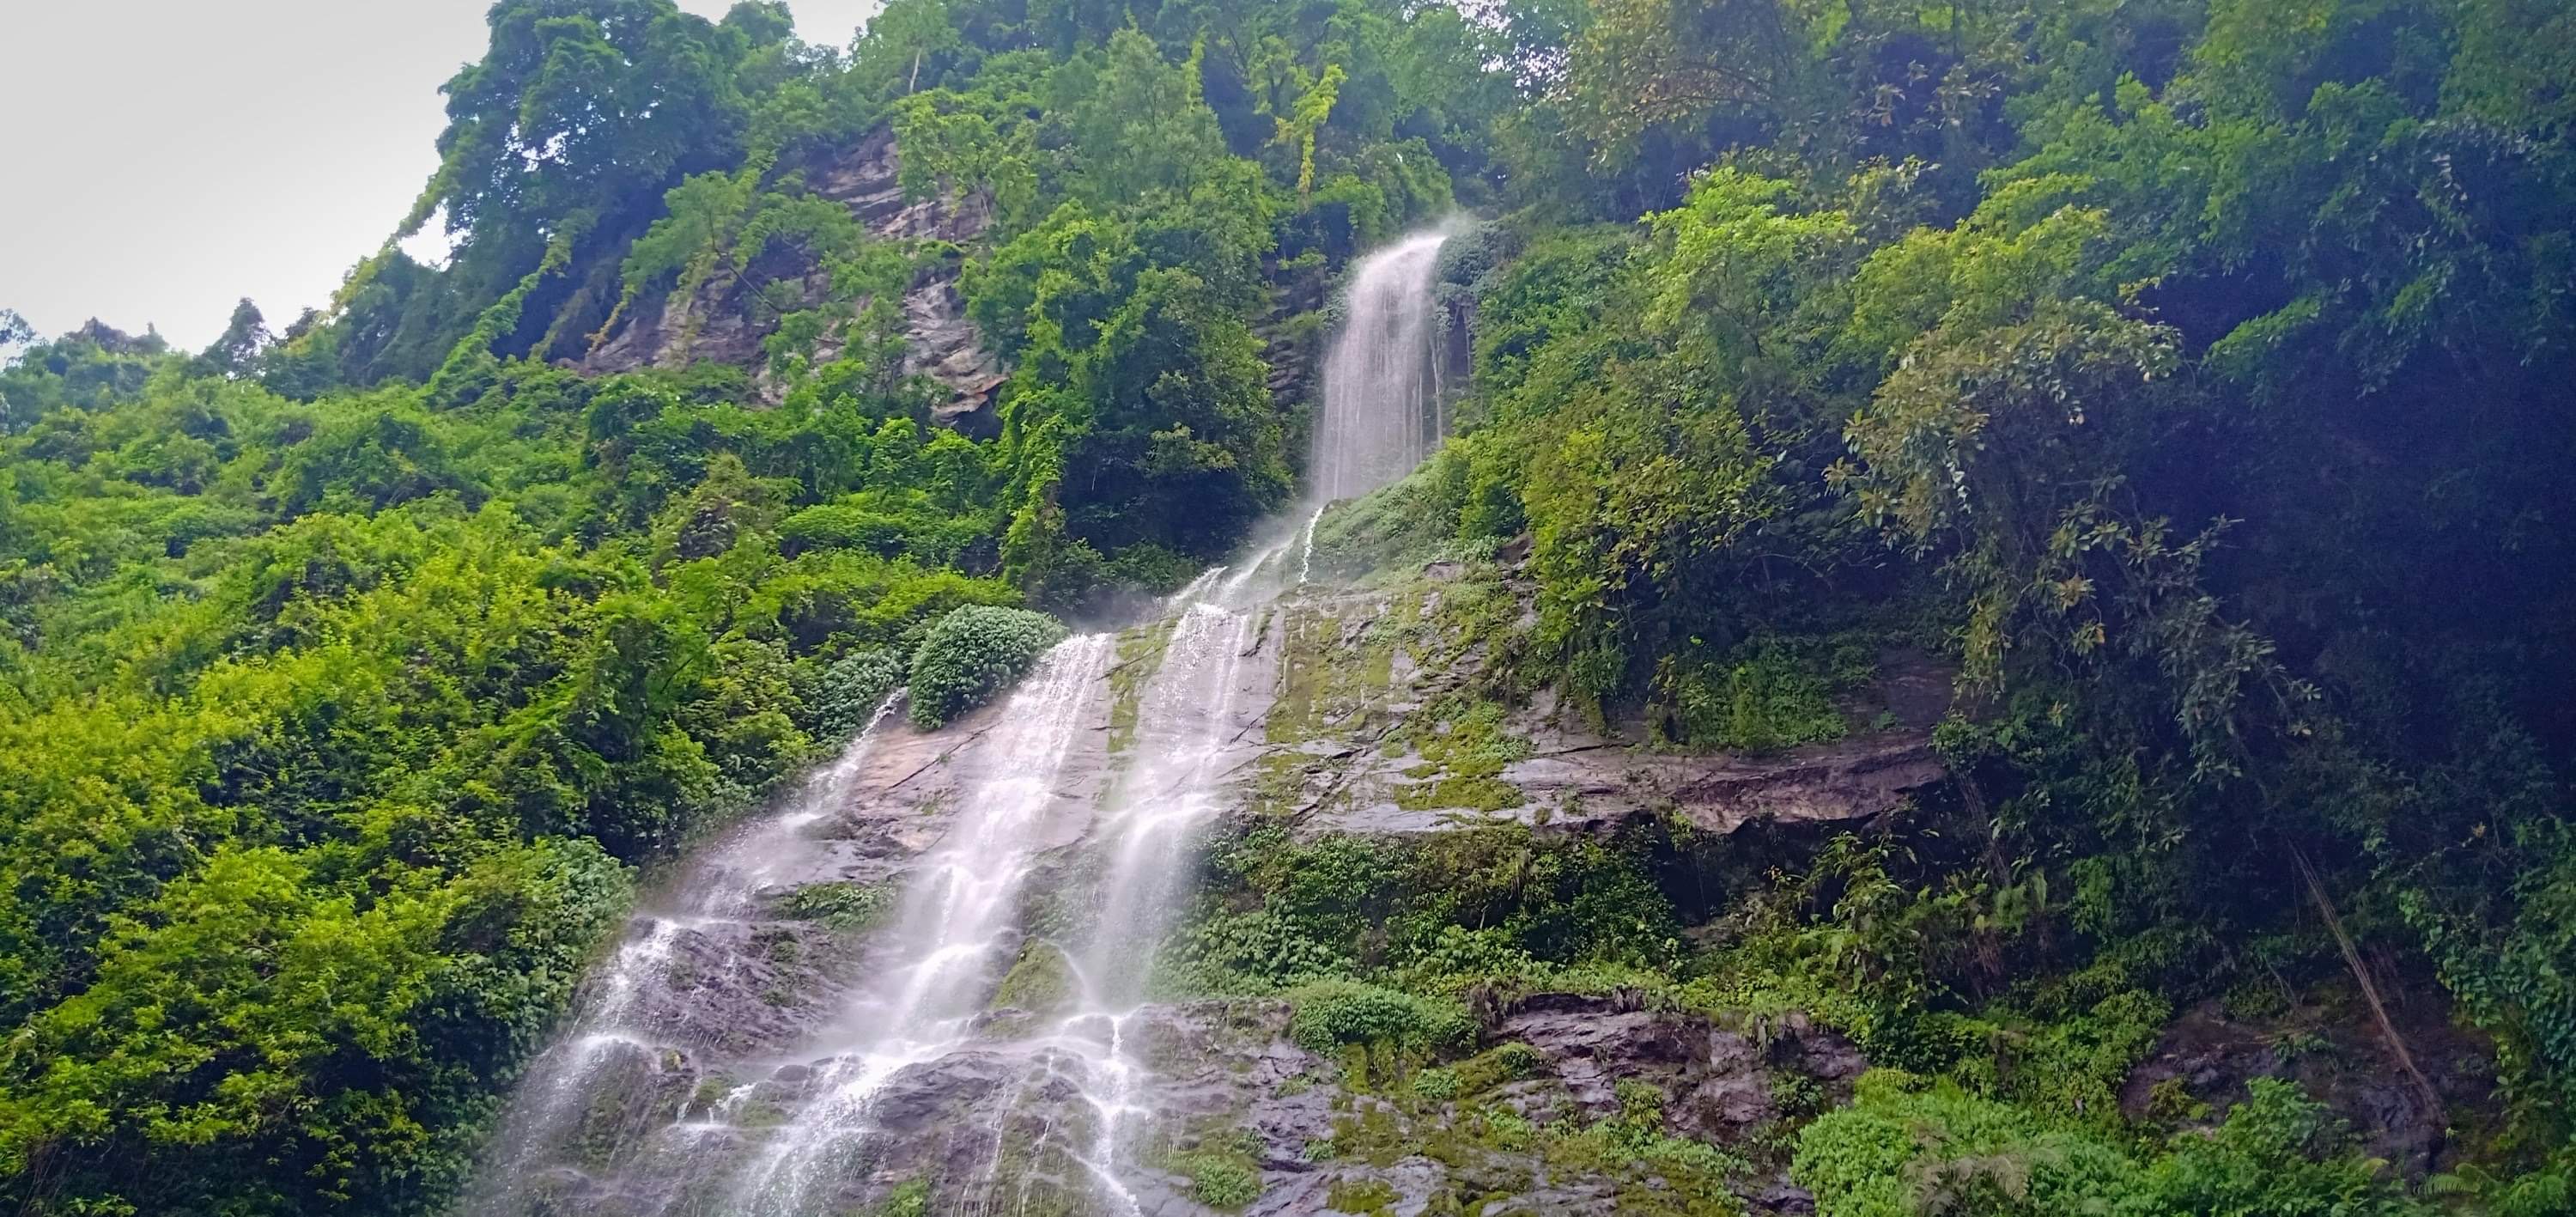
(1372, 680)
(729, 317)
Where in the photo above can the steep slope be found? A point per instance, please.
(731, 317)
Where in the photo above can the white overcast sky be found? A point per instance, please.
(165, 158)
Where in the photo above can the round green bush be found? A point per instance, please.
(852, 689)
(1224, 1185)
(1335, 1012)
(972, 654)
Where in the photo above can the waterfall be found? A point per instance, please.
(684, 1088)
(958, 923)
(631, 1018)
(1187, 725)
(1382, 411)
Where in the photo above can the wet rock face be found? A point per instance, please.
(2203, 1063)
(1845, 781)
(1574, 1053)
(684, 1058)
(1343, 716)
(728, 318)
(1372, 685)
(1007, 1124)
(1717, 1081)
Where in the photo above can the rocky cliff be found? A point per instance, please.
(1352, 714)
(728, 318)
(1389, 710)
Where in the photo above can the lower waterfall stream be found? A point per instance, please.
(729, 1057)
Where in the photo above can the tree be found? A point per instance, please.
(245, 338)
(15, 333)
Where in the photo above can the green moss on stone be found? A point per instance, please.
(1038, 982)
(1365, 1196)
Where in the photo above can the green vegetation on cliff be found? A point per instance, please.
(2183, 369)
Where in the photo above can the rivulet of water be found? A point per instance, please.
(622, 1025)
(1382, 412)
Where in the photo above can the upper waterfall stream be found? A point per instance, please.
(734, 1056)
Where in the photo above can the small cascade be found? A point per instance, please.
(1382, 413)
(623, 1025)
(1306, 549)
(1188, 736)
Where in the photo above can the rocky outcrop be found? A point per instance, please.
(1372, 680)
(2204, 1062)
(1716, 1080)
(729, 318)
(1014, 1125)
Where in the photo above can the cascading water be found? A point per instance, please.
(1382, 410)
(652, 1108)
(626, 1025)
(958, 922)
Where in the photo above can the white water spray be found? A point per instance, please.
(625, 1022)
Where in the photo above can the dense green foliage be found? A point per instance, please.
(2182, 369)
(1903, 1149)
(973, 653)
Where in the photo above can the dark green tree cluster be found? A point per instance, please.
(1156, 177)
(2194, 372)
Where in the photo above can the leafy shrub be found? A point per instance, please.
(917, 529)
(1439, 1085)
(1224, 1184)
(1254, 952)
(1766, 694)
(1337, 1012)
(2280, 1152)
(972, 654)
(1224, 1170)
(1907, 1148)
(852, 689)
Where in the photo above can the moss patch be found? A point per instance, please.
(1039, 982)
(1140, 653)
(840, 906)
(1464, 750)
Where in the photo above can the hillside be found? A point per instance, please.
(1982, 625)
